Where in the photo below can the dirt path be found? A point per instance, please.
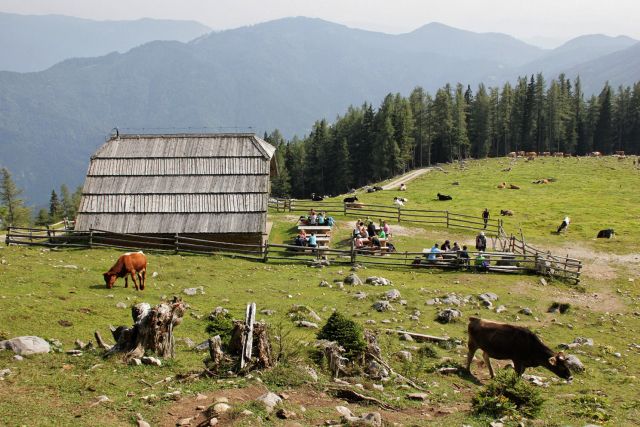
(393, 185)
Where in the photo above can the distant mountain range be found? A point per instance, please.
(282, 74)
(36, 42)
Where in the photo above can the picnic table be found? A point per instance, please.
(318, 229)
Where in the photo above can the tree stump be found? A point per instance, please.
(152, 330)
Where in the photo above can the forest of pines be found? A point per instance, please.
(366, 145)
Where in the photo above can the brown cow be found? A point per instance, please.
(131, 263)
(512, 154)
(531, 154)
(595, 154)
(509, 342)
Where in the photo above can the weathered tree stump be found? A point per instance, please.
(152, 331)
(249, 345)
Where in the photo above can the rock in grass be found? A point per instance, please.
(448, 315)
(26, 345)
(392, 295)
(353, 280)
(121, 305)
(306, 324)
(270, 400)
(378, 281)
(382, 306)
(526, 311)
(574, 364)
(417, 396)
(194, 291)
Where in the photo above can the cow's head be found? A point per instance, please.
(109, 279)
(559, 366)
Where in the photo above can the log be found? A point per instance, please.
(418, 337)
(152, 331)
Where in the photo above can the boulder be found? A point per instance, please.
(500, 309)
(26, 345)
(353, 280)
(526, 311)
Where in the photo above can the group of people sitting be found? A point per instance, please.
(365, 233)
(302, 239)
(455, 252)
(315, 218)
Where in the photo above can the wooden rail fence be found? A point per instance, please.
(399, 214)
(515, 257)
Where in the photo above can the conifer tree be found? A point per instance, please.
(15, 213)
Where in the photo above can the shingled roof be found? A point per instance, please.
(183, 183)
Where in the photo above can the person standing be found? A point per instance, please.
(485, 217)
(481, 242)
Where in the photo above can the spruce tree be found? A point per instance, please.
(15, 213)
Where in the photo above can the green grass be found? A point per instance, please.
(37, 291)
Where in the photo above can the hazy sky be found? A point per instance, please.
(554, 20)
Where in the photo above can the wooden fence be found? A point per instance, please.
(399, 214)
(519, 258)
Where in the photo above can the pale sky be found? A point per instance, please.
(555, 20)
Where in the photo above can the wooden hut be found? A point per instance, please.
(208, 186)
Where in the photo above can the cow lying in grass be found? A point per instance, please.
(606, 234)
(131, 263)
(444, 197)
(508, 342)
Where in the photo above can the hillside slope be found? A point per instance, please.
(36, 42)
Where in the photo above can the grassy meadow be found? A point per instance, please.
(59, 294)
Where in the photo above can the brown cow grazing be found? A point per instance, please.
(509, 342)
(131, 263)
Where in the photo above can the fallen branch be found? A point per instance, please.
(353, 396)
(100, 342)
(418, 337)
(374, 352)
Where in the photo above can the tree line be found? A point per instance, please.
(14, 212)
(367, 145)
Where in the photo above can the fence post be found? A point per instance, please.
(353, 251)
(7, 238)
(176, 242)
(399, 210)
(344, 204)
(90, 238)
(265, 255)
(447, 212)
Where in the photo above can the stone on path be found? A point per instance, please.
(270, 400)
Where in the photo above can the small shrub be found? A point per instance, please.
(345, 332)
(221, 324)
(428, 351)
(595, 408)
(287, 376)
(507, 395)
